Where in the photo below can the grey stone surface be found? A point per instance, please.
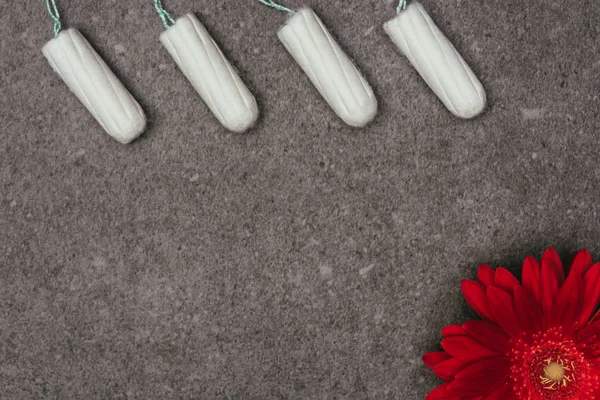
(305, 259)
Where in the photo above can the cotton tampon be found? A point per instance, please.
(211, 74)
(96, 86)
(437, 61)
(331, 71)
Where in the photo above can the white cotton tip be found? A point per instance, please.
(213, 77)
(331, 71)
(95, 85)
(437, 61)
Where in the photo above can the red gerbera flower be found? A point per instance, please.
(538, 340)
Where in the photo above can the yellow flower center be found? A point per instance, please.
(557, 374)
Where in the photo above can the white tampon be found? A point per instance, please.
(437, 61)
(211, 74)
(329, 68)
(88, 76)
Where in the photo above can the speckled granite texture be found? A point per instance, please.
(305, 259)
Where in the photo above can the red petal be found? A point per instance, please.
(485, 274)
(591, 293)
(466, 349)
(447, 369)
(481, 378)
(589, 331)
(527, 310)
(441, 393)
(434, 358)
(551, 258)
(548, 290)
(502, 309)
(453, 330)
(474, 294)
(566, 304)
(504, 392)
(488, 334)
(505, 280)
(532, 278)
(487, 372)
(581, 263)
(593, 329)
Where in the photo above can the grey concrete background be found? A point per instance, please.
(305, 259)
